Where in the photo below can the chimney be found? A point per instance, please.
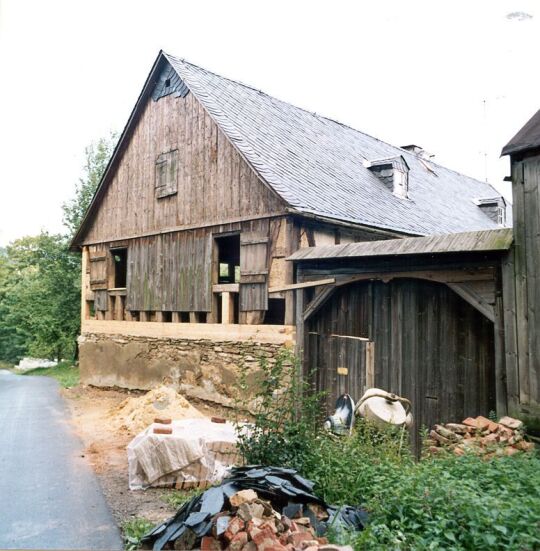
(393, 173)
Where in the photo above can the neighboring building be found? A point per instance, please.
(451, 322)
(212, 185)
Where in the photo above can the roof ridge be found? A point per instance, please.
(330, 119)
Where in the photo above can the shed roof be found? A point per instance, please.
(316, 164)
(476, 241)
(527, 138)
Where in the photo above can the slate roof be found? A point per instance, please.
(315, 163)
(477, 241)
(527, 138)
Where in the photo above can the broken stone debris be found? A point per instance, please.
(481, 436)
(256, 509)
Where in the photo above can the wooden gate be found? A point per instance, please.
(339, 364)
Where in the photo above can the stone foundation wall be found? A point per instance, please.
(200, 368)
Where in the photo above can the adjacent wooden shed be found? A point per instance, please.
(421, 317)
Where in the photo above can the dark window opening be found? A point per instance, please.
(134, 315)
(184, 317)
(167, 317)
(120, 267)
(228, 253)
(167, 82)
(201, 317)
(91, 309)
(275, 315)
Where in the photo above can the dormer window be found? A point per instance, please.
(393, 173)
(494, 208)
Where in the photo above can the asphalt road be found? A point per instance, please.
(49, 496)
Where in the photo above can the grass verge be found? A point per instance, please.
(65, 373)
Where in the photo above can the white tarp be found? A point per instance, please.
(196, 454)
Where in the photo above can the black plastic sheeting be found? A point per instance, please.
(285, 489)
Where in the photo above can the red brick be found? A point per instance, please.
(162, 430)
(236, 525)
(238, 541)
(163, 421)
(210, 544)
(266, 540)
(296, 538)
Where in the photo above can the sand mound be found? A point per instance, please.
(135, 414)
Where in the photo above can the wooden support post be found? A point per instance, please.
(370, 365)
(159, 316)
(227, 308)
(100, 315)
(299, 323)
(193, 318)
(143, 316)
(85, 285)
(128, 316)
(119, 308)
(175, 317)
(109, 314)
(291, 245)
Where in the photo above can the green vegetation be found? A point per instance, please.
(65, 373)
(134, 530)
(40, 279)
(177, 498)
(443, 502)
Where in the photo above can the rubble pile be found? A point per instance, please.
(256, 509)
(480, 436)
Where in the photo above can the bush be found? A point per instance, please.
(286, 415)
(444, 502)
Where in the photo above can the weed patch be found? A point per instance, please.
(133, 531)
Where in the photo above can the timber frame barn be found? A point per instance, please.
(212, 186)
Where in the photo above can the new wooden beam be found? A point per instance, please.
(304, 285)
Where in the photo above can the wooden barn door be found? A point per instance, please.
(339, 365)
(253, 275)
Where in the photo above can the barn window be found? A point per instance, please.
(167, 174)
(120, 267)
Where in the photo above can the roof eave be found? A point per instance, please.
(75, 243)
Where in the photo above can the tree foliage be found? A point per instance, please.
(97, 156)
(40, 278)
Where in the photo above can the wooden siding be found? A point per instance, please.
(429, 345)
(521, 288)
(215, 184)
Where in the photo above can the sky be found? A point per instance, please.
(458, 78)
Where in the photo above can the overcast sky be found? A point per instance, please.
(456, 77)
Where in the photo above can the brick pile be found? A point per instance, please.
(481, 436)
(253, 525)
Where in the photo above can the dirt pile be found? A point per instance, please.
(136, 413)
(480, 436)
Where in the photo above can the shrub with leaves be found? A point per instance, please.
(286, 415)
(445, 502)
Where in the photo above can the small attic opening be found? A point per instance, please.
(393, 173)
(494, 208)
(167, 82)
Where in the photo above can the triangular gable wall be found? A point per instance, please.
(214, 183)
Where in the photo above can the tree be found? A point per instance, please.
(40, 278)
(97, 157)
(42, 298)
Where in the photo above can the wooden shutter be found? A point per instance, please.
(98, 269)
(253, 272)
(166, 174)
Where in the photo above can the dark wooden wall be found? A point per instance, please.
(521, 293)
(429, 345)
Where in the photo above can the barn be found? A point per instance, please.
(212, 186)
